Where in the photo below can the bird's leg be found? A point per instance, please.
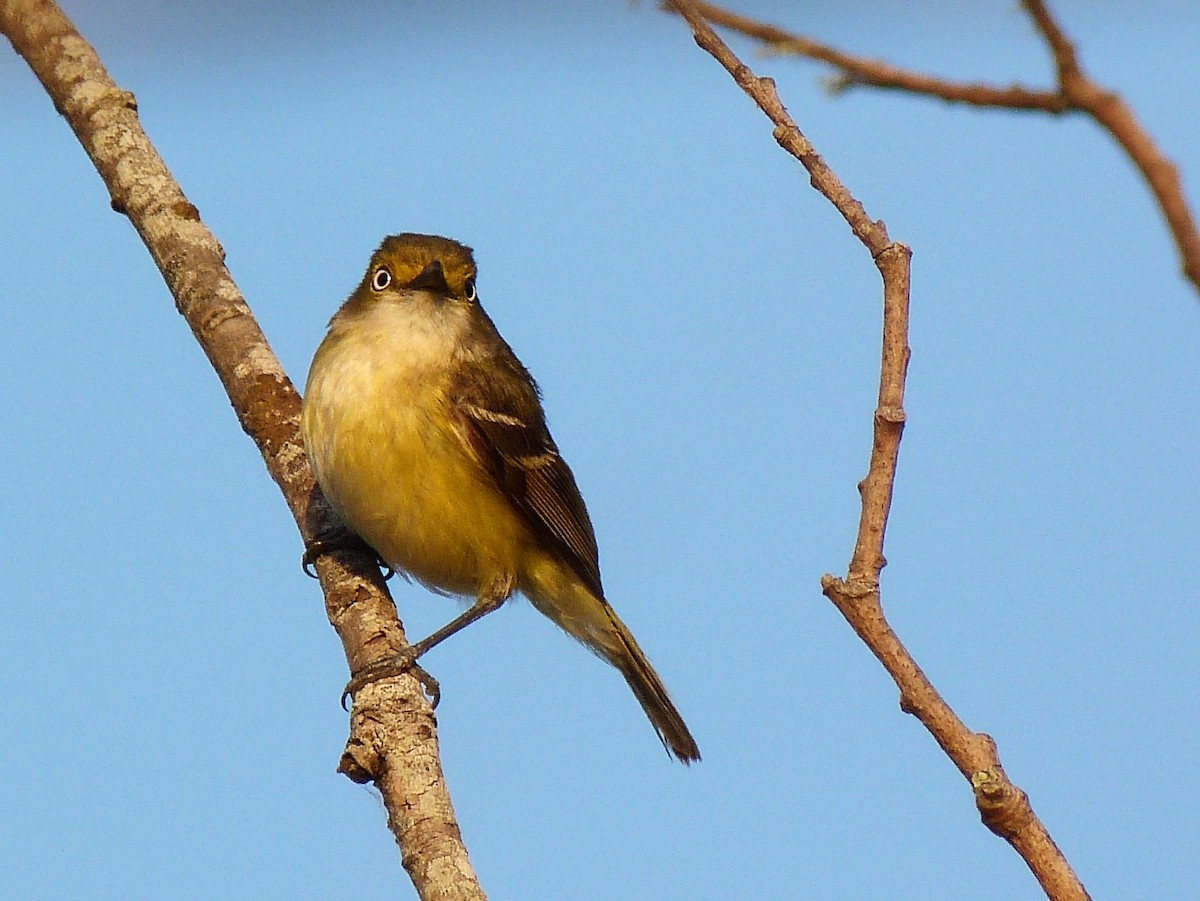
(489, 598)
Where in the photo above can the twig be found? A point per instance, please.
(860, 71)
(1075, 92)
(1004, 808)
(1118, 118)
(393, 737)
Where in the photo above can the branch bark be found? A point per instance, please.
(1075, 92)
(1004, 808)
(393, 737)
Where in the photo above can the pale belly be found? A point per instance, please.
(410, 489)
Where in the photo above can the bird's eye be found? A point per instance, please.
(381, 279)
(469, 289)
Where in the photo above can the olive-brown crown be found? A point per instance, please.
(422, 261)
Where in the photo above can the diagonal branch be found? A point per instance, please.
(393, 736)
(859, 71)
(1075, 92)
(1004, 808)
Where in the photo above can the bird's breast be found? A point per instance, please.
(385, 446)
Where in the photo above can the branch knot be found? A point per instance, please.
(1003, 807)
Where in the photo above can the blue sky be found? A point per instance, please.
(705, 330)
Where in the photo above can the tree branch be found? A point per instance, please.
(1004, 808)
(859, 71)
(393, 738)
(1075, 93)
(1118, 118)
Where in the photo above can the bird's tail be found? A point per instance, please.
(593, 621)
(648, 688)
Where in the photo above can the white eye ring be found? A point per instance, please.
(381, 279)
(469, 290)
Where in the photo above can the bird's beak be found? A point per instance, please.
(431, 278)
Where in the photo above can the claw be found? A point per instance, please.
(339, 542)
(308, 561)
(393, 666)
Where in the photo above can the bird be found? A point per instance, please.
(427, 436)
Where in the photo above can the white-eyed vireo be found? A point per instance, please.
(427, 436)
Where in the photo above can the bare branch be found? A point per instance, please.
(1118, 118)
(787, 133)
(393, 738)
(858, 71)
(1075, 93)
(1004, 808)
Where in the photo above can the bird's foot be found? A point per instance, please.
(341, 541)
(393, 666)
